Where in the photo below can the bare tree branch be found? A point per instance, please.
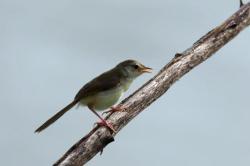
(99, 137)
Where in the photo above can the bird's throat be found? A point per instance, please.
(126, 84)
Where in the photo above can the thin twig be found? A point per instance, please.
(99, 137)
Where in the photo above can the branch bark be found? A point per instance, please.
(99, 137)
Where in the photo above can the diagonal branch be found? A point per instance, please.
(99, 137)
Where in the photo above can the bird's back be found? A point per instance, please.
(103, 82)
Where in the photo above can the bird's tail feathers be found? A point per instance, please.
(56, 116)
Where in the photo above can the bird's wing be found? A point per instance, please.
(103, 82)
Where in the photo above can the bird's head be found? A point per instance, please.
(132, 68)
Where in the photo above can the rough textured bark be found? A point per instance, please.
(99, 137)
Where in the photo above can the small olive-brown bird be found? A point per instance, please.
(104, 91)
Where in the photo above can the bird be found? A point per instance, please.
(104, 91)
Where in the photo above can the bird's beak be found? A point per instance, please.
(145, 69)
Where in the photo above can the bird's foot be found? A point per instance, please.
(113, 109)
(108, 125)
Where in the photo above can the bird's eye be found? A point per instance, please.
(136, 66)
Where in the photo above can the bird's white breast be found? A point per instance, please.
(104, 99)
(108, 98)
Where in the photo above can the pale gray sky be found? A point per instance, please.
(49, 49)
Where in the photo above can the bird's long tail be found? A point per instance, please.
(56, 116)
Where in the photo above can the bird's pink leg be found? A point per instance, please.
(114, 109)
(103, 121)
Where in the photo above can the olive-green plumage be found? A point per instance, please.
(105, 90)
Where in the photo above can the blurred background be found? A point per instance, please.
(50, 49)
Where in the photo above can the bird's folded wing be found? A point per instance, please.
(103, 82)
